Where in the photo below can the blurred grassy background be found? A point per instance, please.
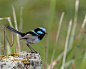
(36, 13)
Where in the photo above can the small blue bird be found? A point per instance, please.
(30, 37)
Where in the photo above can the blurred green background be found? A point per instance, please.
(36, 13)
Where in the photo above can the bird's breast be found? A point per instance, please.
(32, 40)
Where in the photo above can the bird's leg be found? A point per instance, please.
(32, 50)
(29, 47)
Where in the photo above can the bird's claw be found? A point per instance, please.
(33, 52)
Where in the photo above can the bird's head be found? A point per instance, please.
(41, 32)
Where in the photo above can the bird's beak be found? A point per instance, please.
(46, 33)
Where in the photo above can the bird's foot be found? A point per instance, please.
(33, 52)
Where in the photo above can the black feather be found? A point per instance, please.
(13, 30)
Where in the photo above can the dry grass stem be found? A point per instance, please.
(0, 47)
(54, 63)
(4, 42)
(66, 43)
(73, 65)
(15, 21)
(1, 18)
(45, 61)
(9, 20)
(76, 11)
(56, 39)
(8, 41)
(10, 23)
(12, 39)
(83, 25)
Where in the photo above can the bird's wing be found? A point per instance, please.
(26, 36)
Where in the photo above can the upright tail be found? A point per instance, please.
(13, 30)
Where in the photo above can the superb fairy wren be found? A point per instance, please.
(30, 37)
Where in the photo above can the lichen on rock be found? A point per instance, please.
(23, 60)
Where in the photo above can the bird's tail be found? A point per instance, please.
(13, 30)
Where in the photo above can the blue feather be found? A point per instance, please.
(35, 33)
(43, 29)
(39, 32)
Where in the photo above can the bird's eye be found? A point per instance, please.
(39, 32)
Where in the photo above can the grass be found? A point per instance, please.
(66, 44)
(48, 15)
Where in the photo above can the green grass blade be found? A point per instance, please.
(52, 10)
(74, 25)
(83, 62)
(8, 49)
(69, 62)
(77, 39)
